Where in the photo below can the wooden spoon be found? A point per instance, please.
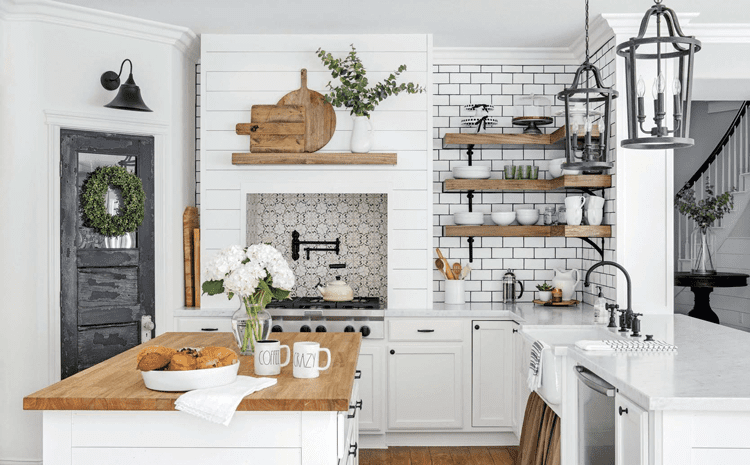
(465, 271)
(457, 270)
(448, 271)
(440, 266)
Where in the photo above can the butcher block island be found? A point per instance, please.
(106, 414)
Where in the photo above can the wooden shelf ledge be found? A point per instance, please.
(528, 231)
(459, 139)
(593, 181)
(317, 158)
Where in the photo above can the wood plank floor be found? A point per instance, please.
(439, 456)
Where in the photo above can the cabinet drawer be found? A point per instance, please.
(425, 330)
(196, 325)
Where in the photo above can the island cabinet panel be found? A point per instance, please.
(186, 456)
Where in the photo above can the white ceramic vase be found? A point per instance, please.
(565, 281)
(362, 134)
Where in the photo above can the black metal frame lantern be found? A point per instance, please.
(683, 49)
(586, 147)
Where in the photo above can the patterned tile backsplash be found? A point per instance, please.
(360, 220)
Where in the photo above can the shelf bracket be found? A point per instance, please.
(595, 246)
(470, 240)
(470, 196)
(470, 152)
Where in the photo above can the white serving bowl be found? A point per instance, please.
(572, 171)
(503, 218)
(471, 172)
(172, 381)
(468, 218)
(555, 167)
(527, 216)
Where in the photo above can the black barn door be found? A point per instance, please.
(107, 284)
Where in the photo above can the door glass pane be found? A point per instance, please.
(88, 238)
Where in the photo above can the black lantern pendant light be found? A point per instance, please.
(673, 54)
(587, 113)
(129, 96)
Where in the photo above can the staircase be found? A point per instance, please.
(727, 167)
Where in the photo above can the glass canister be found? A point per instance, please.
(550, 215)
(561, 219)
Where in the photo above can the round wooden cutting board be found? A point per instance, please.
(320, 119)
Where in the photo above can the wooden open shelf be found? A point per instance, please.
(589, 181)
(317, 158)
(459, 139)
(528, 231)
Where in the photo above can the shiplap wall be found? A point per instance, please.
(238, 71)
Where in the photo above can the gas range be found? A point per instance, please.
(313, 314)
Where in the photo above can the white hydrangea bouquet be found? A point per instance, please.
(257, 274)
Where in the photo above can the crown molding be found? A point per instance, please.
(738, 33)
(48, 11)
(503, 56)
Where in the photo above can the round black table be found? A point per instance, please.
(702, 285)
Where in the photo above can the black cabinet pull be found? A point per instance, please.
(515, 330)
(476, 326)
(425, 330)
(623, 410)
(358, 374)
(393, 351)
(359, 404)
(354, 411)
(209, 329)
(353, 449)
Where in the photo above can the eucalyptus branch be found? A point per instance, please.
(707, 210)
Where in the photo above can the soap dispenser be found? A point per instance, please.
(600, 308)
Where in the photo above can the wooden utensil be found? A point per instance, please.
(457, 270)
(320, 118)
(448, 271)
(190, 221)
(275, 129)
(465, 271)
(440, 266)
(197, 265)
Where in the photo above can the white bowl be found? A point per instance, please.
(468, 218)
(527, 216)
(503, 218)
(190, 379)
(471, 172)
(572, 171)
(555, 167)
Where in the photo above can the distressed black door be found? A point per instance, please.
(107, 285)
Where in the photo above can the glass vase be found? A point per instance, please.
(702, 243)
(250, 323)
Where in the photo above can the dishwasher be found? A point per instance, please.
(596, 419)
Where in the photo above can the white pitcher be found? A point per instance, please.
(564, 281)
(362, 135)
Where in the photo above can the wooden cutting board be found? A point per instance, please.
(320, 119)
(564, 303)
(275, 129)
(197, 266)
(190, 221)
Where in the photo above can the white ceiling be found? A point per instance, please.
(457, 23)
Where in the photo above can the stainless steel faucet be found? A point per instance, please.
(625, 322)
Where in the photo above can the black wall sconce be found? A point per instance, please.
(129, 96)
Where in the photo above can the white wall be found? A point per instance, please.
(238, 71)
(51, 58)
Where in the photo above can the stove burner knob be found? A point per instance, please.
(320, 329)
(277, 329)
(304, 329)
(365, 330)
(349, 329)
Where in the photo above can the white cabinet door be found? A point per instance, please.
(425, 386)
(371, 387)
(492, 373)
(631, 432)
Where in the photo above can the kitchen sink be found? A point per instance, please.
(559, 339)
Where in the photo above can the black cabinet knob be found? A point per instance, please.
(349, 329)
(623, 410)
(476, 326)
(320, 329)
(277, 329)
(304, 329)
(515, 330)
(393, 351)
(365, 330)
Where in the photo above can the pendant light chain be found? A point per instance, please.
(587, 31)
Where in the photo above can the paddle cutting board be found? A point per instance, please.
(275, 128)
(320, 119)
(190, 221)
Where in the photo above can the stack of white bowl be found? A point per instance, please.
(471, 172)
(527, 216)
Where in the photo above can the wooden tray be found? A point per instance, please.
(564, 303)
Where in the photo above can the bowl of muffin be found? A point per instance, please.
(166, 369)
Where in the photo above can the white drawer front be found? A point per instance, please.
(425, 330)
(196, 325)
(186, 456)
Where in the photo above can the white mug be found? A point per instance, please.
(307, 359)
(595, 210)
(268, 357)
(574, 209)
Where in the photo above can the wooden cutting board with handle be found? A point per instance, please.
(275, 128)
(190, 221)
(320, 118)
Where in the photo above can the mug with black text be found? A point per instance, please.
(307, 359)
(268, 357)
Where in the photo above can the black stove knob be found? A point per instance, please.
(365, 330)
(320, 329)
(349, 329)
(304, 329)
(277, 329)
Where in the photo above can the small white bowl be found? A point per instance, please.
(527, 216)
(503, 218)
(471, 172)
(572, 171)
(468, 218)
(555, 167)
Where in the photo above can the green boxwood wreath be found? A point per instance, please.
(131, 212)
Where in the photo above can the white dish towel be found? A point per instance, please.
(534, 379)
(218, 404)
